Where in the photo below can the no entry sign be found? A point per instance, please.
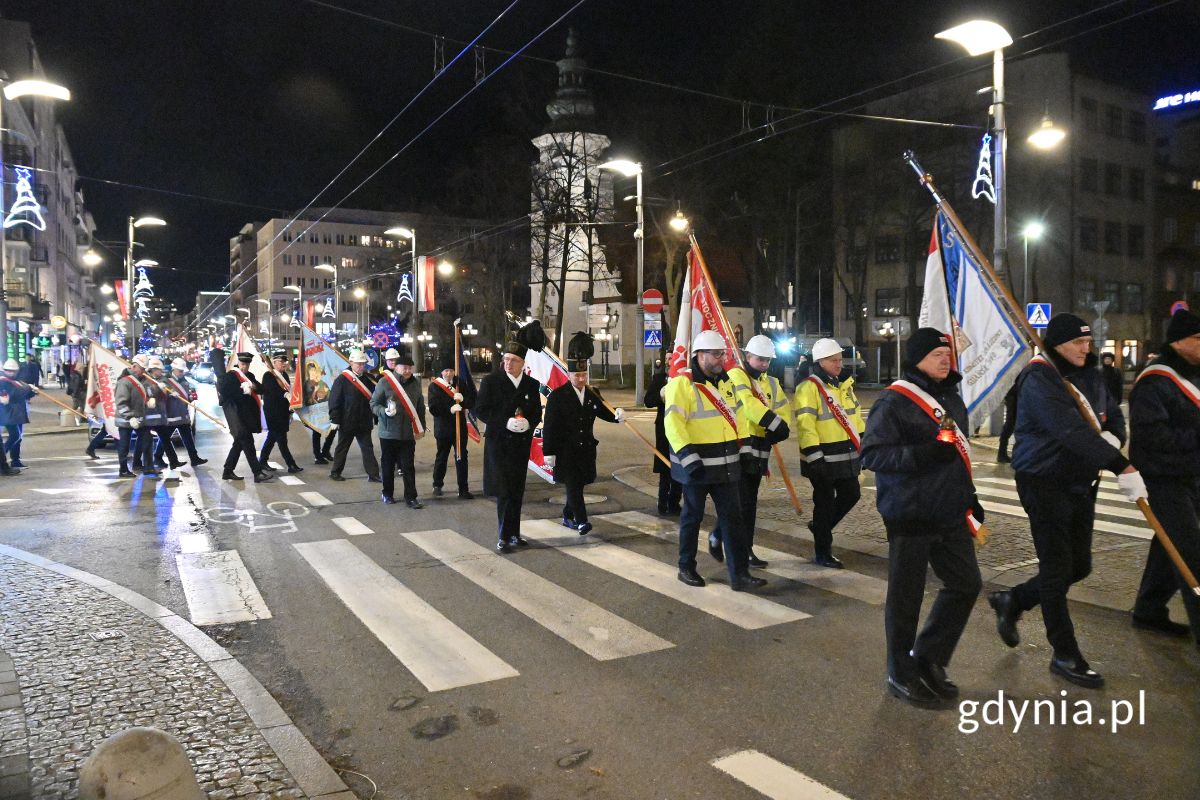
(652, 301)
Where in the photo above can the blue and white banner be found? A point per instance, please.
(989, 347)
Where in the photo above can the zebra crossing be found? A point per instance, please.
(1114, 514)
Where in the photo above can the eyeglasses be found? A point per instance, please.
(713, 352)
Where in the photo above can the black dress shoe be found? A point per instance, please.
(179, 465)
(1003, 458)
(715, 548)
(416, 504)
(518, 542)
(16, 462)
(387, 501)
(122, 474)
(230, 475)
(437, 491)
(755, 561)
(913, 691)
(690, 577)
(1077, 671)
(262, 476)
(294, 468)
(934, 677)
(9, 471)
(569, 523)
(662, 511)
(197, 461)
(320, 460)
(585, 528)
(503, 547)
(466, 496)
(1161, 625)
(828, 560)
(159, 462)
(744, 583)
(336, 476)
(91, 453)
(1007, 614)
(374, 479)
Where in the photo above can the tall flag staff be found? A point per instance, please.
(1002, 293)
(457, 358)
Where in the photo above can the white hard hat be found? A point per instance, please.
(142, 360)
(761, 346)
(824, 348)
(358, 357)
(12, 364)
(708, 340)
(155, 363)
(179, 364)
(391, 355)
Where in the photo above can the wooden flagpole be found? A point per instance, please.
(38, 391)
(457, 417)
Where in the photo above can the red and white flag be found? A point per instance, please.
(699, 310)
(426, 270)
(242, 343)
(104, 370)
(121, 290)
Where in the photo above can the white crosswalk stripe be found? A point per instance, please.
(436, 651)
(351, 526)
(772, 778)
(599, 633)
(744, 610)
(218, 588)
(999, 495)
(839, 581)
(290, 480)
(316, 499)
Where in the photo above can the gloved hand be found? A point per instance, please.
(4, 399)
(619, 413)
(977, 510)
(781, 432)
(135, 422)
(1132, 485)
(247, 388)
(391, 408)
(934, 452)
(454, 409)
(151, 402)
(517, 424)
(549, 461)
(662, 393)
(458, 398)
(1111, 438)
(333, 426)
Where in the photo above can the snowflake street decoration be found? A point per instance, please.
(25, 210)
(983, 185)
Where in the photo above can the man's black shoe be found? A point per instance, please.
(570, 523)
(827, 560)
(755, 561)
(262, 476)
(160, 462)
(1003, 458)
(16, 462)
(934, 676)
(466, 496)
(230, 475)
(715, 548)
(294, 468)
(503, 547)
(336, 476)
(690, 577)
(320, 460)
(387, 501)
(744, 583)
(374, 479)
(122, 474)
(517, 541)
(675, 511)
(178, 464)
(1161, 625)
(437, 491)
(585, 528)
(913, 691)
(662, 511)
(1077, 671)
(415, 504)
(197, 461)
(9, 471)
(91, 453)
(1007, 614)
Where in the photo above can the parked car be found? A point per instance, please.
(203, 373)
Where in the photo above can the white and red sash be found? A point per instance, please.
(356, 383)
(720, 406)
(472, 432)
(137, 384)
(254, 393)
(1189, 389)
(1085, 405)
(445, 387)
(179, 390)
(838, 412)
(409, 408)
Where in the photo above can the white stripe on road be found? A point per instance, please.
(839, 581)
(1011, 493)
(194, 543)
(274, 466)
(599, 633)
(436, 651)
(52, 491)
(1101, 525)
(351, 526)
(744, 610)
(290, 480)
(774, 779)
(219, 589)
(8, 500)
(316, 499)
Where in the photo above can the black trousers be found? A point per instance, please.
(951, 553)
(445, 450)
(185, 435)
(243, 444)
(1010, 422)
(508, 515)
(277, 436)
(748, 500)
(728, 505)
(325, 452)
(832, 500)
(141, 441)
(164, 446)
(393, 452)
(670, 493)
(1060, 519)
(574, 509)
(1176, 504)
(364, 444)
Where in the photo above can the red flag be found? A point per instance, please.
(699, 310)
(308, 313)
(426, 266)
(121, 289)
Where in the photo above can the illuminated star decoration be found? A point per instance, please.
(25, 210)
(405, 292)
(983, 173)
(143, 290)
(328, 311)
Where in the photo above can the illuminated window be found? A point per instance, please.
(889, 302)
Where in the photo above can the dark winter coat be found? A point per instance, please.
(567, 434)
(349, 408)
(653, 399)
(1164, 425)
(399, 425)
(913, 487)
(16, 410)
(180, 391)
(506, 454)
(242, 413)
(439, 408)
(1114, 381)
(277, 402)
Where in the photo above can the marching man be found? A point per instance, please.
(14, 409)
(179, 391)
(156, 418)
(351, 416)
(571, 409)
(238, 392)
(400, 409)
(448, 397)
(277, 410)
(130, 398)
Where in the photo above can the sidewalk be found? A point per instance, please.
(82, 658)
(44, 415)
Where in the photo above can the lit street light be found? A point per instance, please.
(445, 268)
(1047, 136)
(631, 169)
(92, 259)
(679, 223)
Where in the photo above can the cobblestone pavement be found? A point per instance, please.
(88, 666)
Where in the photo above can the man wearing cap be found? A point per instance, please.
(449, 396)
(567, 439)
(277, 410)
(131, 398)
(400, 409)
(155, 421)
(926, 496)
(706, 427)
(240, 396)
(1164, 445)
(510, 405)
(1068, 429)
(830, 426)
(351, 416)
(14, 413)
(179, 392)
(767, 409)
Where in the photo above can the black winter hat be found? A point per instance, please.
(922, 343)
(1063, 328)
(1183, 324)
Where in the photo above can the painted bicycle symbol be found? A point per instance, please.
(278, 515)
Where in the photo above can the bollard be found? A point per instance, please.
(138, 764)
(65, 419)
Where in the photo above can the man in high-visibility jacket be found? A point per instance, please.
(706, 427)
(829, 427)
(768, 415)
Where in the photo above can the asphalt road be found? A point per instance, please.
(554, 699)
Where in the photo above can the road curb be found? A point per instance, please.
(312, 773)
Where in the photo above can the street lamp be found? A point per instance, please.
(888, 332)
(361, 295)
(299, 299)
(978, 37)
(445, 268)
(679, 223)
(12, 91)
(631, 169)
(1032, 230)
(92, 259)
(270, 328)
(1047, 136)
(138, 222)
(106, 289)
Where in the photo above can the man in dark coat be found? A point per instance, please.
(1112, 376)
(1164, 445)
(31, 371)
(510, 405)
(277, 410)
(179, 392)
(350, 414)
(670, 491)
(14, 409)
(400, 410)
(924, 493)
(568, 442)
(449, 397)
(238, 392)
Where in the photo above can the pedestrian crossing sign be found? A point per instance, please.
(652, 338)
(1038, 314)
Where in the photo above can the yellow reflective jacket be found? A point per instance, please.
(769, 420)
(705, 448)
(825, 447)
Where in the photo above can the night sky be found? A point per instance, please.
(255, 105)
